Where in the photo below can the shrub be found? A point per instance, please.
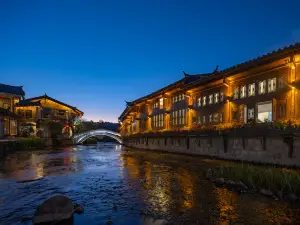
(267, 177)
(27, 143)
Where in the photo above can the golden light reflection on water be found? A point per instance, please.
(187, 185)
(226, 202)
(278, 216)
(172, 187)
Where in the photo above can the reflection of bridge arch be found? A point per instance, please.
(80, 138)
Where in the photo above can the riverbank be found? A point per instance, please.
(19, 144)
(270, 181)
(252, 144)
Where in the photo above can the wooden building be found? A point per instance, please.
(263, 89)
(37, 112)
(9, 95)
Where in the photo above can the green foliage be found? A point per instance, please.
(267, 177)
(55, 128)
(27, 143)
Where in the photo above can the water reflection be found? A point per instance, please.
(130, 187)
(174, 188)
(36, 165)
(226, 202)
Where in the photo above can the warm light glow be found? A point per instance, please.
(293, 67)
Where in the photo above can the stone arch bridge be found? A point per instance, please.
(80, 138)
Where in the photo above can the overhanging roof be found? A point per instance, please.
(16, 90)
(31, 101)
(190, 81)
(6, 112)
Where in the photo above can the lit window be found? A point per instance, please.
(199, 102)
(281, 83)
(161, 103)
(272, 85)
(251, 113)
(175, 98)
(251, 89)
(204, 100)
(262, 87)
(217, 97)
(236, 93)
(282, 110)
(199, 119)
(210, 101)
(5, 105)
(264, 112)
(210, 118)
(216, 117)
(179, 117)
(204, 121)
(243, 91)
(221, 97)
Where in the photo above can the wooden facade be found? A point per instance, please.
(9, 96)
(265, 89)
(37, 112)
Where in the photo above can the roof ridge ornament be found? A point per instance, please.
(185, 74)
(216, 69)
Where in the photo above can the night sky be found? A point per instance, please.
(96, 54)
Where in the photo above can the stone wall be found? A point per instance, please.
(277, 149)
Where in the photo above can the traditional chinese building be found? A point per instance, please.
(259, 90)
(9, 95)
(37, 112)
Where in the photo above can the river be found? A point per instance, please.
(127, 187)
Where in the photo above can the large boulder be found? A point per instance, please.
(55, 209)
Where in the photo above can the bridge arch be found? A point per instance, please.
(80, 138)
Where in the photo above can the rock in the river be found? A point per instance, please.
(56, 208)
(220, 181)
(208, 174)
(292, 197)
(279, 194)
(266, 192)
(241, 186)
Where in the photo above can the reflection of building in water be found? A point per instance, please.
(187, 185)
(226, 202)
(132, 165)
(155, 179)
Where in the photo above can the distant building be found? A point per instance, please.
(9, 96)
(260, 90)
(37, 112)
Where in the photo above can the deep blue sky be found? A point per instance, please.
(96, 54)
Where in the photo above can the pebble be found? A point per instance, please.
(266, 192)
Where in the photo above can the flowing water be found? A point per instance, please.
(127, 187)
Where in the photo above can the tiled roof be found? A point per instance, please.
(199, 79)
(26, 101)
(16, 90)
(6, 112)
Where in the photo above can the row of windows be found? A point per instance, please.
(159, 104)
(262, 89)
(213, 98)
(158, 121)
(178, 117)
(177, 98)
(28, 113)
(211, 118)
